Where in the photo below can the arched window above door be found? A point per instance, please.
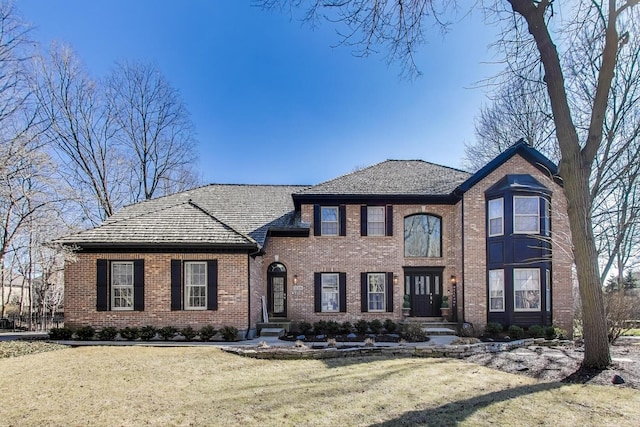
(277, 267)
(423, 236)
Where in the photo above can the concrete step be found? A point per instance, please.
(440, 331)
(272, 332)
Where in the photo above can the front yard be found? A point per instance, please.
(203, 386)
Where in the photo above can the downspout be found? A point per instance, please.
(249, 255)
(464, 287)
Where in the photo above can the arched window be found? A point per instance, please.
(423, 236)
(277, 267)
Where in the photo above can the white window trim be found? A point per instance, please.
(501, 200)
(490, 297)
(384, 221)
(337, 221)
(113, 287)
(337, 292)
(537, 230)
(187, 305)
(515, 308)
(384, 293)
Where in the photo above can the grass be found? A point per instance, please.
(130, 386)
(632, 332)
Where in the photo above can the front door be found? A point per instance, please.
(424, 288)
(277, 290)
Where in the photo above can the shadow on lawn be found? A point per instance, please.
(455, 412)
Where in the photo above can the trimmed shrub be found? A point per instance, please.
(229, 333)
(346, 328)
(188, 333)
(147, 333)
(493, 328)
(130, 333)
(64, 333)
(167, 333)
(207, 332)
(376, 326)
(333, 327)
(516, 332)
(108, 333)
(536, 331)
(550, 332)
(305, 327)
(85, 333)
(320, 327)
(412, 332)
(390, 326)
(362, 326)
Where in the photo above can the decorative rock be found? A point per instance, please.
(351, 336)
(617, 379)
(320, 337)
(301, 337)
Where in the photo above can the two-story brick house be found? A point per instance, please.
(346, 249)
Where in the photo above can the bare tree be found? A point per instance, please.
(399, 26)
(154, 124)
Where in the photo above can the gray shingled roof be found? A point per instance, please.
(394, 177)
(213, 214)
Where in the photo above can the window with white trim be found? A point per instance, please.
(496, 290)
(122, 285)
(195, 285)
(330, 293)
(375, 221)
(526, 214)
(376, 291)
(526, 289)
(329, 221)
(496, 217)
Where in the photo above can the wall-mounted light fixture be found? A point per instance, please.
(295, 279)
(395, 279)
(454, 279)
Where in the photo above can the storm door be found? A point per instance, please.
(424, 288)
(277, 290)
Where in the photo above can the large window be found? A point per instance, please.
(422, 236)
(122, 285)
(330, 293)
(375, 221)
(496, 217)
(376, 291)
(195, 285)
(526, 289)
(496, 290)
(526, 214)
(330, 225)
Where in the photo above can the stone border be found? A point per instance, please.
(451, 351)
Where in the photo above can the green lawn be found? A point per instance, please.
(131, 386)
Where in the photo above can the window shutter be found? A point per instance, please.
(138, 285)
(389, 292)
(364, 293)
(212, 285)
(317, 231)
(363, 220)
(389, 220)
(342, 209)
(342, 289)
(176, 284)
(317, 291)
(102, 285)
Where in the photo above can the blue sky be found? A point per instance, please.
(273, 101)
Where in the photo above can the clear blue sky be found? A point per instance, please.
(272, 101)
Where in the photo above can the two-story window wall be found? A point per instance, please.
(518, 252)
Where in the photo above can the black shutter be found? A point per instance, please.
(317, 292)
(176, 284)
(138, 285)
(212, 285)
(389, 220)
(364, 293)
(102, 285)
(343, 219)
(363, 220)
(342, 289)
(317, 231)
(389, 292)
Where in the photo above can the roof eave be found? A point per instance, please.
(407, 199)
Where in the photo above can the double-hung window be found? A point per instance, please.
(496, 217)
(330, 293)
(195, 285)
(375, 221)
(122, 285)
(330, 224)
(526, 289)
(376, 291)
(526, 214)
(496, 290)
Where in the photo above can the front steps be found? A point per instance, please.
(434, 325)
(273, 328)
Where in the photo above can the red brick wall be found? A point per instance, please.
(474, 279)
(80, 293)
